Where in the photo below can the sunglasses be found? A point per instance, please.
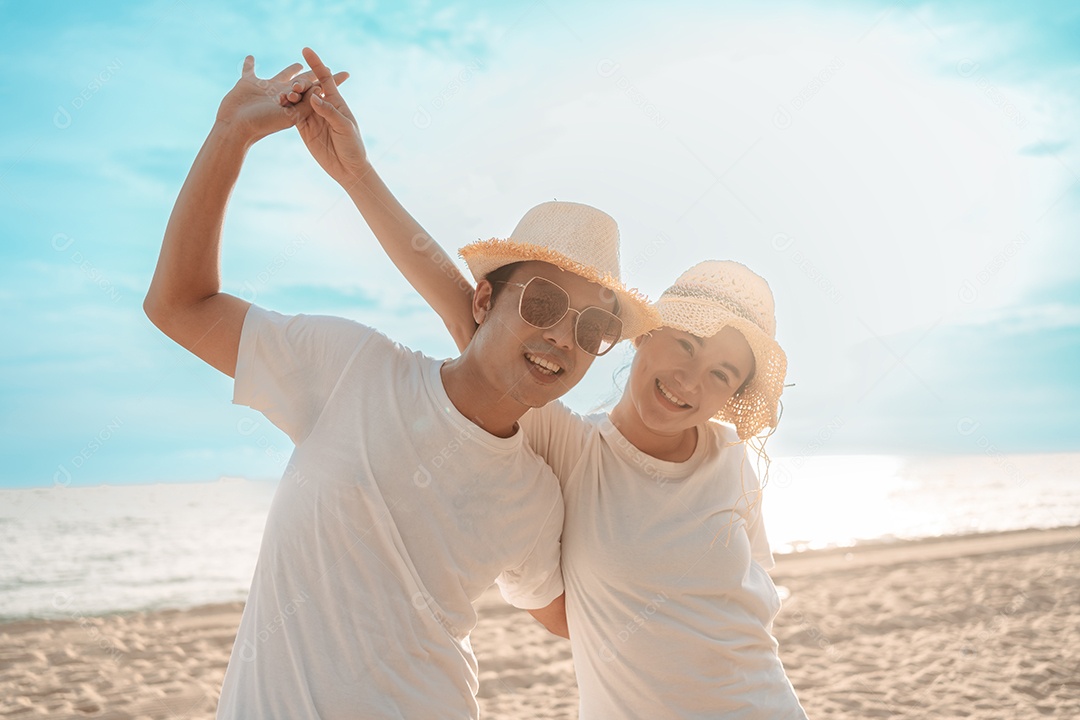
(544, 304)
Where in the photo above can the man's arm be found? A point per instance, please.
(185, 299)
(553, 617)
(333, 138)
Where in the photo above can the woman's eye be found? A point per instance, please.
(685, 346)
(722, 376)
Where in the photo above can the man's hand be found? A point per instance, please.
(256, 107)
(328, 127)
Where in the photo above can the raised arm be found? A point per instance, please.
(185, 299)
(333, 138)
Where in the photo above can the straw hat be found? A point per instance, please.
(716, 294)
(576, 238)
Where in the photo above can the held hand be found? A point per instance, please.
(255, 106)
(328, 127)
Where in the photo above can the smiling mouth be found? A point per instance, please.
(545, 367)
(670, 395)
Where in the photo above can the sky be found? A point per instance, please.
(906, 177)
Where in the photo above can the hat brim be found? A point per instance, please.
(755, 406)
(484, 256)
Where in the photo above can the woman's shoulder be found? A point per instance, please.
(726, 450)
(559, 414)
(557, 420)
(722, 436)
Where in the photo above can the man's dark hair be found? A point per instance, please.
(498, 278)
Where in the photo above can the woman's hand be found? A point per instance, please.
(255, 107)
(328, 126)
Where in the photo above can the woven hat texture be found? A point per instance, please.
(716, 294)
(576, 238)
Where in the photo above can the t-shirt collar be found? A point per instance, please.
(671, 471)
(434, 383)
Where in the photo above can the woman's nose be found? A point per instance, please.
(685, 378)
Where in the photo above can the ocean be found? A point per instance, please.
(77, 551)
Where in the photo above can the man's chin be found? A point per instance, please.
(540, 399)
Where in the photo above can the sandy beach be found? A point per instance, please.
(976, 627)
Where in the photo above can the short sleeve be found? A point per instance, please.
(760, 549)
(557, 434)
(755, 524)
(537, 581)
(289, 365)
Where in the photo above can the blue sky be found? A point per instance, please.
(907, 177)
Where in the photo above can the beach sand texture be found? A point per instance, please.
(977, 627)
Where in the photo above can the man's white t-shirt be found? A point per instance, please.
(668, 600)
(395, 513)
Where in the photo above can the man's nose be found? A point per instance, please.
(561, 334)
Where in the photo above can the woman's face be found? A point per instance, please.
(678, 380)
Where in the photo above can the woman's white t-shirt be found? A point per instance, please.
(667, 596)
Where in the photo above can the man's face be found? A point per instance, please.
(527, 364)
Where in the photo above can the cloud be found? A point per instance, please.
(885, 167)
(1026, 319)
(1044, 147)
(1012, 374)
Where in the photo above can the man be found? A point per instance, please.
(410, 490)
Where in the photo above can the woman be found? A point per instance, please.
(668, 604)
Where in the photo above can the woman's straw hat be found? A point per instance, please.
(716, 294)
(576, 238)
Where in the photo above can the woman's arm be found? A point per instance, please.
(553, 617)
(333, 138)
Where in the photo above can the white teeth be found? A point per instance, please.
(542, 363)
(667, 393)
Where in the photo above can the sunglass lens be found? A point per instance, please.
(598, 330)
(543, 303)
